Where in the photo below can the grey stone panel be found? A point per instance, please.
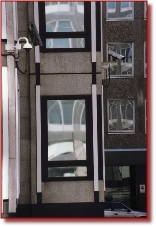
(120, 89)
(66, 192)
(30, 11)
(22, 8)
(120, 31)
(33, 182)
(24, 81)
(101, 191)
(138, 10)
(78, 84)
(24, 149)
(25, 171)
(25, 192)
(25, 128)
(9, 22)
(123, 141)
(70, 62)
(12, 134)
(12, 185)
(24, 106)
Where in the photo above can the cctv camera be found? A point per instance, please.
(27, 46)
(34, 34)
(115, 55)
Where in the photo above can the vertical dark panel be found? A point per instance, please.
(39, 198)
(37, 65)
(96, 196)
(98, 27)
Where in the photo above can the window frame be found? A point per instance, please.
(121, 131)
(124, 75)
(120, 18)
(85, 34)
(44, 142)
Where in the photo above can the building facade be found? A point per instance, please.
(73, 107)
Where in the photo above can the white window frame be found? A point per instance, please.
(121, 131)
(120, 18)
(114, 63)
(145, 60)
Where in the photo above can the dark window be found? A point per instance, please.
(66, 138)
(65, 25)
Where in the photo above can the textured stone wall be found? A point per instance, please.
(127, 88)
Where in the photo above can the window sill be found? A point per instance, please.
(117, 133)
(122, 19)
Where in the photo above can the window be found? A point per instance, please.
(65, 146)
(65, 25)
(117, 180)
(120, 10)
(121, 116)
(121, 68)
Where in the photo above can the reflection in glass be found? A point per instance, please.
(66, 130)
(119, 10)
(117, 184)
(73, 171)
(122, 67)
(65, 43)
(64, 16)
(121, 115)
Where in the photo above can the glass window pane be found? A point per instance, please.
(66, 130)
(121, 67)
(118, 184)
(73, 171)
(119, 10)
(121, 115)
(64, 16)
(65, 43)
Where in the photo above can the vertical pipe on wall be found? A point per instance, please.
(93, 31)
(95, 141)
(38, 120)
(4, 35)
(17, 132)
(5, 167)
(103, 139)
(36, 20)
(102, 100)
(38, 103)
(15, 19)
(94, 100)
(101, 32)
